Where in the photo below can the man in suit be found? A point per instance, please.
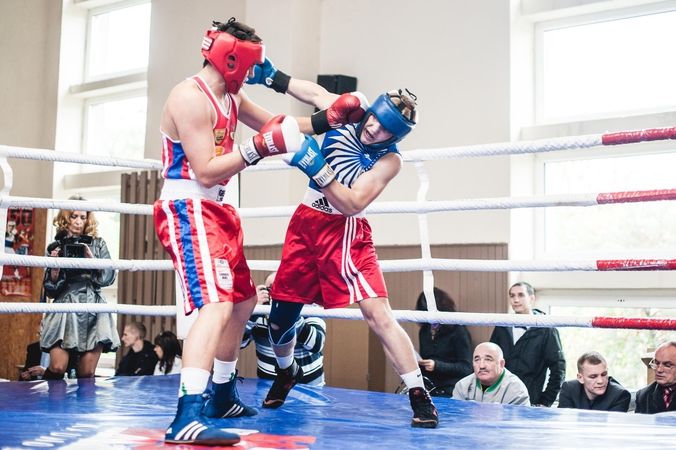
(659, 396)
(594, 388)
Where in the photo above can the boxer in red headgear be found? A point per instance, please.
(203, 234)
(233, 49)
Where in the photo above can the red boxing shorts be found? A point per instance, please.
(328, 259)
(205, 241)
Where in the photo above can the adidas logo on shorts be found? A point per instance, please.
(322, 204)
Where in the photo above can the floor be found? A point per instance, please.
(133, 412)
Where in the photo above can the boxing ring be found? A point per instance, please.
(133, 412)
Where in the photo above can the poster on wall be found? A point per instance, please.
(19, 235)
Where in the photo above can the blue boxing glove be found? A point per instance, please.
(309, 159)
(268, 75)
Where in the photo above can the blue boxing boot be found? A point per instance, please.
(226, 403)
(191, 426)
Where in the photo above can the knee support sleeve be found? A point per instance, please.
(282, 322)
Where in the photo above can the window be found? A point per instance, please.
(118, 40)
(105, 111)
(115, 127)
(632, 227)
(605, 65)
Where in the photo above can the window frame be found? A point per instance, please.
(605, 16)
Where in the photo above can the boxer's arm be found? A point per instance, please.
(352, 201)
(192, 119)
(254, 116)
(311, 93)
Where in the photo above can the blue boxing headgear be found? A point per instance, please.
(396, 111)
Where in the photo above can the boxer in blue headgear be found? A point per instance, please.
(328, 257)
(396, 112)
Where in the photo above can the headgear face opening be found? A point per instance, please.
(391, 116)
(231, 57)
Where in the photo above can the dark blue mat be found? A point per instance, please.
(133, 412)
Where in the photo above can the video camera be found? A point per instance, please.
(70, 247)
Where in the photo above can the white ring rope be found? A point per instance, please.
(506, 148)
(51, 155)
(476, 319)
(341, 313)
(88, 205)
(314, 311)
(93, 308)
(395, 265)
(416, 207)
(470, 151)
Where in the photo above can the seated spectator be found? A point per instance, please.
(141, 358)
(593, 388)
(446, 350)
(491, 382)
(658, 396)
(311, 335)
(169, 352)
(36, 362)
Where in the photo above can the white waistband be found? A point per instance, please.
(316, 200)
(179, 189)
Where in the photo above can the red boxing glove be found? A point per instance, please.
(280, 135)
(348, 108)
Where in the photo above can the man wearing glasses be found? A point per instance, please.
(659, 396)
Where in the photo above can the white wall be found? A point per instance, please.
(29, 64)
(454, 56)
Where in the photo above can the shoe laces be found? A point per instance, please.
(420, 397)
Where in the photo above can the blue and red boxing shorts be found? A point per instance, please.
(205, 241)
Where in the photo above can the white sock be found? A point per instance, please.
(413, 379)
(285, 361)
(193, 381)
(224, 371)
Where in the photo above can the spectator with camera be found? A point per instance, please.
(87, 334)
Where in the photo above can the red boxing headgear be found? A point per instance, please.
(232, 57)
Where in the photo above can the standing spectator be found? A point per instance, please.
(491, 382)
(594, 388)
(311, 333)
(530, 352)
(658, 396)
(169, 352)
(446, 349)
(86, 334)
(141, 357)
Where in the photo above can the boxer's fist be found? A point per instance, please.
(279, 135)
(309, 159)
(348, 108)
(267, 74)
